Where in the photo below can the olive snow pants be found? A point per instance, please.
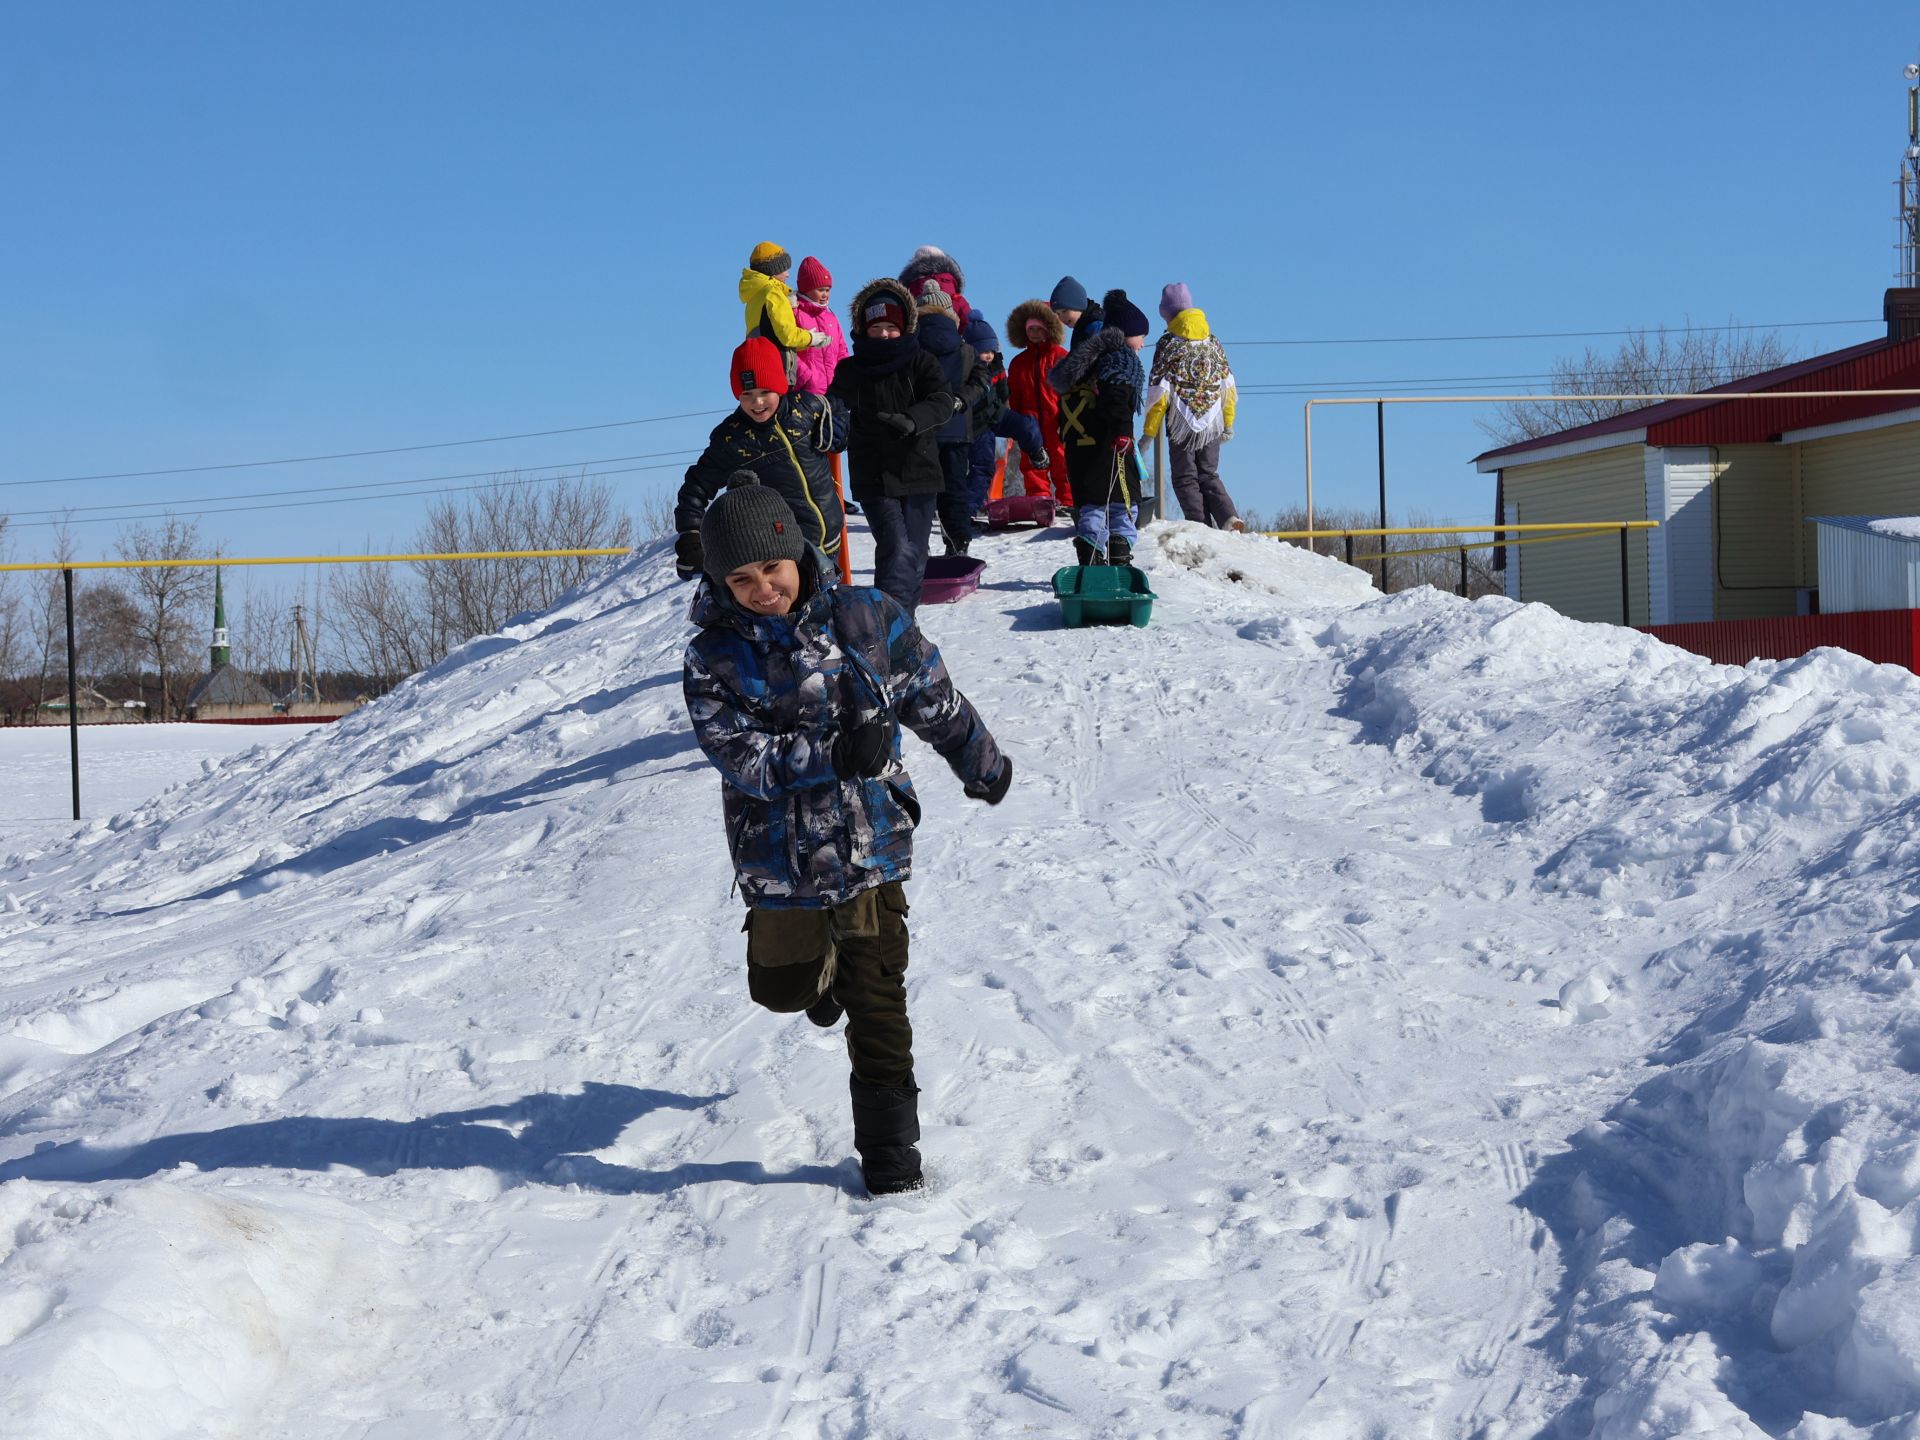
(858, 951)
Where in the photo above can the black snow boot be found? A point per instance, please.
(1119, 552)
(1085, 552)
(826, 1010)
(886, 1123)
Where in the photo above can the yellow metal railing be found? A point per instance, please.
(67, 568)
(1566, 530)
(222, 560)
(1650, 398)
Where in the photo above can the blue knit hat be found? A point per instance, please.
(1069, 294)
(981, 335)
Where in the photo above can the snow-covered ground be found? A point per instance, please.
(1365, 1017)
(120, 767)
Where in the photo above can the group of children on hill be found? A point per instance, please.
(797, 682)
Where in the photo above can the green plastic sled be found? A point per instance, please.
(1103, 595)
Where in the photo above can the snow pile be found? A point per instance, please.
(1289, 573)
(1366, 1015)
(1907, 527)
(1744, 1225)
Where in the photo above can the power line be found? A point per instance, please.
(367, 485)
(345, 499)
(1438, 382)
(361, 454)
(705, 414)
(1549, 334)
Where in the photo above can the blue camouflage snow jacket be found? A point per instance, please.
(769, 695)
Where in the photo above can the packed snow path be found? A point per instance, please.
(1364, 1017)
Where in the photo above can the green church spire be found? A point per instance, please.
(221, 654)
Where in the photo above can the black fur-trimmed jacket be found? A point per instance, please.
(891, 377)
(1095, 411)
(789, 453)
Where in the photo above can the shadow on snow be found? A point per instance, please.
(540, 1138)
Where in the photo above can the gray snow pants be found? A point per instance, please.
(1196, 484)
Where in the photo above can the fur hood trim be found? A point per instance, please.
(1083, 357)
(928, 261)
(1033, 310)
(894, 291)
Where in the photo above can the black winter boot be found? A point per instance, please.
(1119, 552)
(886, 1123)
(1085, 552)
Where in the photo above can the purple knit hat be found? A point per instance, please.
(1174, 298)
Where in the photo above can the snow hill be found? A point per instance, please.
(1366, 1017)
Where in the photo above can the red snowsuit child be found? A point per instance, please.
(1029, 393)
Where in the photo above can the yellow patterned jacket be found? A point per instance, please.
(1190, 387)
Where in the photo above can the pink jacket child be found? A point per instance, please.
(812, 309)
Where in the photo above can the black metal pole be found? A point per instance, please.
(1626, 601)
(73, 698)
(1463, 572)
(1349, 539)
(1380, 443)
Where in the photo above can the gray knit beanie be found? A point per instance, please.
(747, 524)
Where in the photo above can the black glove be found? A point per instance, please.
(1041, 461)
(901, 425)
(689, 556)
(995, 790)
(866, 748)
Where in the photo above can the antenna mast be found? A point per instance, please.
(1907, 245)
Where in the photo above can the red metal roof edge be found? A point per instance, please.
(1648, 416)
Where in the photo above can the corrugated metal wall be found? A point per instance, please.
(1756, 533)
(1888, 637)
(1866, 571)
(1876, 472)
(1581, 578)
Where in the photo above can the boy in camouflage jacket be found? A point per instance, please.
(797, 686)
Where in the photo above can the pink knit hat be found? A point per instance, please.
(814, 276)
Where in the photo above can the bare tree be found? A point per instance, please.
(107, 633)
(394, 624)
(175, 602)
(474, 597)
(49, 616)
(13, 616)
(260, 638)
(656, 512)
(1648, 362)
(384, 623)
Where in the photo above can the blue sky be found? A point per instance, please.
(239, 232)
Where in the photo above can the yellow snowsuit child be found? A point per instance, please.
(769, 302)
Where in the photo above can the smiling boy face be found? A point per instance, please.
(765, 587)
(759, 405)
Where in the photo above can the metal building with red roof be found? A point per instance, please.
(1733, 483)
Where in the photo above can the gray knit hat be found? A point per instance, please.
(747, 524)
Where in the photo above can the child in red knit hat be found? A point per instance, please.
(782, 438)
